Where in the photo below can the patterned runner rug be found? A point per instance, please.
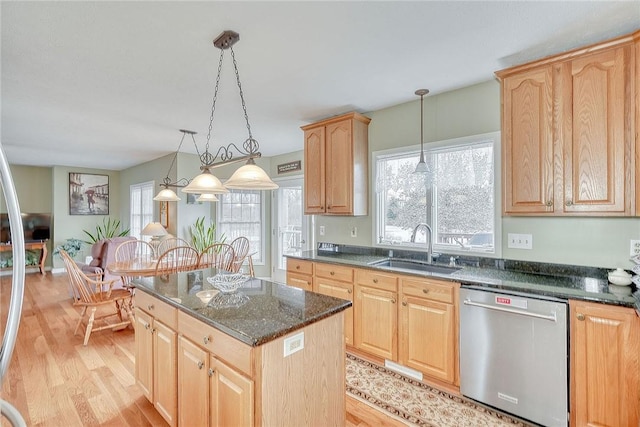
(414, 402)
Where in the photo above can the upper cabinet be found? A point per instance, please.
(568, 132)
(336, 166)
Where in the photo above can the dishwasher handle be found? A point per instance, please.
(551, 317)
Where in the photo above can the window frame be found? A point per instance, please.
(256, 261)
(378, 215)
(141, 186)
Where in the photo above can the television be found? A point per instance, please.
(36, 227)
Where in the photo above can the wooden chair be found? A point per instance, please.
(91, 293)
(240, 247)
(133, 249)
(218, 255)
(180, 258)
(169, 243)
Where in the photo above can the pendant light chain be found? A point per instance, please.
(166, 179)
(421, 128)
(206, 157)
(251, 145)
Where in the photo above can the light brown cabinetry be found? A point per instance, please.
(337, 281)
(156, 352)
(568, 142)
(300, 273)
(376, 313)
(428, 327)
(604, 366)
(336, 166)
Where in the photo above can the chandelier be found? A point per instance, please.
(167, 194)
(249, 176)
(422, 166)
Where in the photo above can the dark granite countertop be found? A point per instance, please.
(259, 312)
(551, 280)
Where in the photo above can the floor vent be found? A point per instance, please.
(403, 370)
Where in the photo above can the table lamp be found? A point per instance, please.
(155, 230)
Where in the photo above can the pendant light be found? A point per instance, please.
(248, 177)
(167, 194)
(422, 166)
(207, 197)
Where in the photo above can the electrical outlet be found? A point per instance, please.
(293, 344)
(634, 247)
(322, 230)
(354, 232)
(520, 241)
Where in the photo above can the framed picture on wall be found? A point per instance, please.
(88, 194)
(164, 214)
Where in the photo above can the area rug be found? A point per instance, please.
(415, 403)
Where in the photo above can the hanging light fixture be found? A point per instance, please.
(248, 177)
(422, 166)
(207, 197)
(167, 194)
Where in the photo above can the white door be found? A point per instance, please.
(291, 227)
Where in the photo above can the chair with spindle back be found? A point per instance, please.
(218, 255)
(174, 260)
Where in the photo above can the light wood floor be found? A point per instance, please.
(53, 380)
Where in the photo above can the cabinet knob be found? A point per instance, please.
(580, 316)
(150, 307)
(549, 203)
(146, 326)
(375, 280)
(349, 291)
(569, 203)
(206, 340)
(297, 267)
(211, 372)
(425, 291)
(200, 364)
(404, 303)
(332, 273)
(393, 300)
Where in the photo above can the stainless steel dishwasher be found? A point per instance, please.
(513, 354)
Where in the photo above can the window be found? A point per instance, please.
(241, 213)
(458, 201)
(141, 207)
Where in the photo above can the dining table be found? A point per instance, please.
(141, 267)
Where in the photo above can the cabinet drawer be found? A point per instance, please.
(218, 343)
(302, 281)
(299, 266)
(156, 308)
(429, 289)
(335, 272)
(374, 279)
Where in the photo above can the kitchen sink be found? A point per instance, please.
(410, 265)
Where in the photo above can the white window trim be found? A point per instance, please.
(497, 196)
(140, 185)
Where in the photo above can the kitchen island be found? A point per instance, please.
(267, 354)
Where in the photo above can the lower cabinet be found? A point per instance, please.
(337, 281)
(428, 332)
(604, 365)
(300, 274)
(156, 352)
(231, 396)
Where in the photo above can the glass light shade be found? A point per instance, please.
(207, 197)
(422, 167)
(166, 195)
(153, 229)
(206, 182)
(250, 177)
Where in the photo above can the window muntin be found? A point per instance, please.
(140, 207)
(241, 213)
(461, 194)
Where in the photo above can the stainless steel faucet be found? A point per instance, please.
(429, 240)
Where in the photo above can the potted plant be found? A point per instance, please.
(70, 246)
(203, 237)
(109, 228)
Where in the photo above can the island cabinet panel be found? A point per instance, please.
(336, 165)
(232, 400)
(193, 387)
(604, 365)
(569, 143)
(305, 388)
(156, 354)
(428, 328)
(376, 314)
(337, 281)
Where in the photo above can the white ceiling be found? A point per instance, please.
(108, 84)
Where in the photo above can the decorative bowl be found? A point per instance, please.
(205, 296)
(227, 282)
(620, 277)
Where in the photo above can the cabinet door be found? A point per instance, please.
(527, 135)
(231, 396)
(193, 387)
(339, 174)
(302, 281)
(338, 290)
(376, 323)
(314, 170)
(604, 365)
(144, 353)
(428, 337)
(165, 372)
(594, 121)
